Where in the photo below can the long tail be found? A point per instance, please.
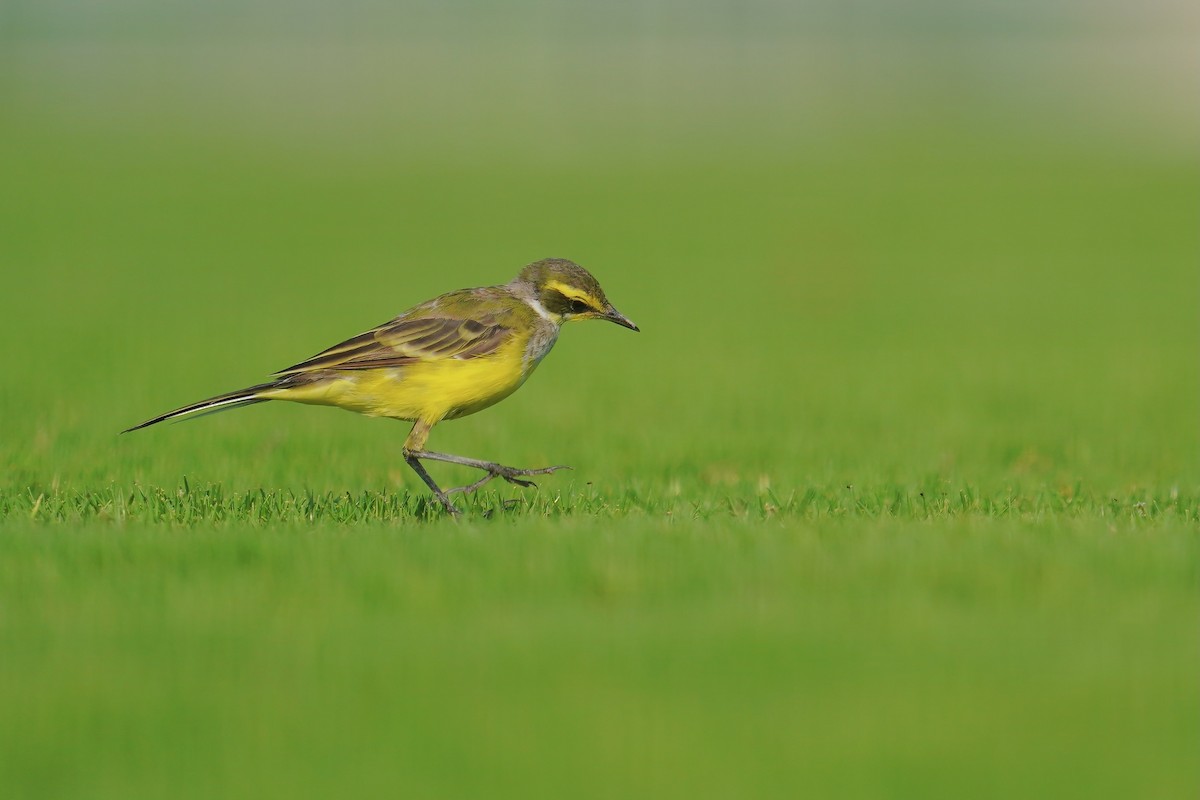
(222, 402)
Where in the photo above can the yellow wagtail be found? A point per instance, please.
(446, 358)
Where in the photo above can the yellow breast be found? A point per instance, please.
(426, 390)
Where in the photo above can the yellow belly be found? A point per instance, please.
(427, 390)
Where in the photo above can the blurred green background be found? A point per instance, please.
(928, 251)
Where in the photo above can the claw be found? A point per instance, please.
(519, 482)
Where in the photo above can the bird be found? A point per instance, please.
(444, 359)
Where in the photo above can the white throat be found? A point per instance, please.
(537, 306)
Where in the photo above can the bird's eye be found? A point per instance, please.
(578, 307)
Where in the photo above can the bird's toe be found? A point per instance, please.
(520, 482)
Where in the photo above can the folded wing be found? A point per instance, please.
(405, 341)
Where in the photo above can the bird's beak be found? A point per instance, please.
(612, 315)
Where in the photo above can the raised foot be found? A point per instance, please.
(510, 474)
(491, 470)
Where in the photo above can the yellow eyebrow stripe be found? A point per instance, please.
(571, 293)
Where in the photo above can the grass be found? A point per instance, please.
(706, 658)
(896, 495)
(184, 505)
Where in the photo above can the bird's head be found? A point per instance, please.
(566, 291)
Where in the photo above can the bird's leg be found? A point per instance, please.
(412, 452)
(493, 470)
(443, 497)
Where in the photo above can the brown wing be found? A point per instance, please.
(405, 341)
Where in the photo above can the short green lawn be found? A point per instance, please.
(530, 657)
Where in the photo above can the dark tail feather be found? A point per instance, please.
(221, 402)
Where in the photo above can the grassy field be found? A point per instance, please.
(895, 495)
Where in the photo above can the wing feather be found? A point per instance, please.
(406, 340)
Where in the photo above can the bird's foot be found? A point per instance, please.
(491, 471)
(444, 500)
(511, 474)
